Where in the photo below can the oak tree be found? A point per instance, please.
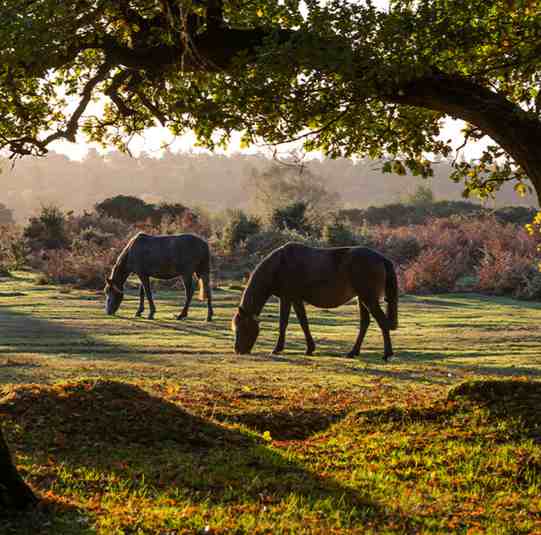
(14, 492)
(348, 77)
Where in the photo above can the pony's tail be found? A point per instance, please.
(202, 290)
(203, 275)
(391, 295)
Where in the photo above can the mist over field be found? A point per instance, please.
(212, 182)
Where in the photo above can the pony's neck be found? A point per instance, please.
(120, 271)
(259, 288)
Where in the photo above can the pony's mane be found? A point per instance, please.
(123, 256)
(255, 293)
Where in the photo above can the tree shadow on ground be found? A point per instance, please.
(124, 434)
(516, 402)
(292, 424)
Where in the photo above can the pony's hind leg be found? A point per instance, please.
(285, 309)
(188, 288)
(205, 279)
(383, 323)
(303, 320)
(364, 322)
(145, 281)
(141, 308)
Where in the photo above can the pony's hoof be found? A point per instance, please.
(138, 314)
(209, 319)
(388, 358)
(182, 317)
(352, 355)
(150, 316)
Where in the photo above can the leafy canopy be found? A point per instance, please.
(347, 77)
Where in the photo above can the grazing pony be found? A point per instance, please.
(325, 278)
(162, 257)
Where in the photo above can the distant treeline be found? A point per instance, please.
(211, 182)
(401, 214)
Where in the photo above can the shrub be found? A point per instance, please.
(402, 248)
(91, 236)
(504, 272)
(126, 208)
(338, 233)
(238, 228)
(416, 213)
(100, 223)
(84, 269)
(433, 271)
(292, 217)
(170, 211)
(519, 215)
(48, 230)
(13, 249)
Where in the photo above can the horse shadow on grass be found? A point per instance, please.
(126, 435)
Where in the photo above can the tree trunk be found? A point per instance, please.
(14, 492)
(513, 129)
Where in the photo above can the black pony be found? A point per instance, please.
(162, 257)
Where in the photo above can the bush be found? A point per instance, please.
(338, 233)
(238, 228)
(100, 223)
(401, 248)
(171, 212)
(91, 236)
(418, 213)
(48, 230)
(504, 272)
(83, 269)
(518, 215)
(126, 208)
(291, 217)
(433, 271)
(13, 249)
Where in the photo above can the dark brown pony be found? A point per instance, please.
(325, 278)
(162, 257)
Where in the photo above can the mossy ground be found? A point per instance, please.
(126, 425)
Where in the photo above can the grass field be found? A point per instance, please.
(126, 425)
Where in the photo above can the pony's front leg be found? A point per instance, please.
(303, 320)
(141, 308)
(285, 309)
(146, 285)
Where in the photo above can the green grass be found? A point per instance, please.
(126, 425)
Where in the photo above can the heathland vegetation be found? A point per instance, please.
(438, 246)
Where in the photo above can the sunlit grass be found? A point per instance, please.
(126, 425)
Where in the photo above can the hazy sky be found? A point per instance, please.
(154, 138)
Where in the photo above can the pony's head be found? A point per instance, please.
(246, 328)
(113, 296)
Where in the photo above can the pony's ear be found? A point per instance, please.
(241, 311)
(109, 281)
